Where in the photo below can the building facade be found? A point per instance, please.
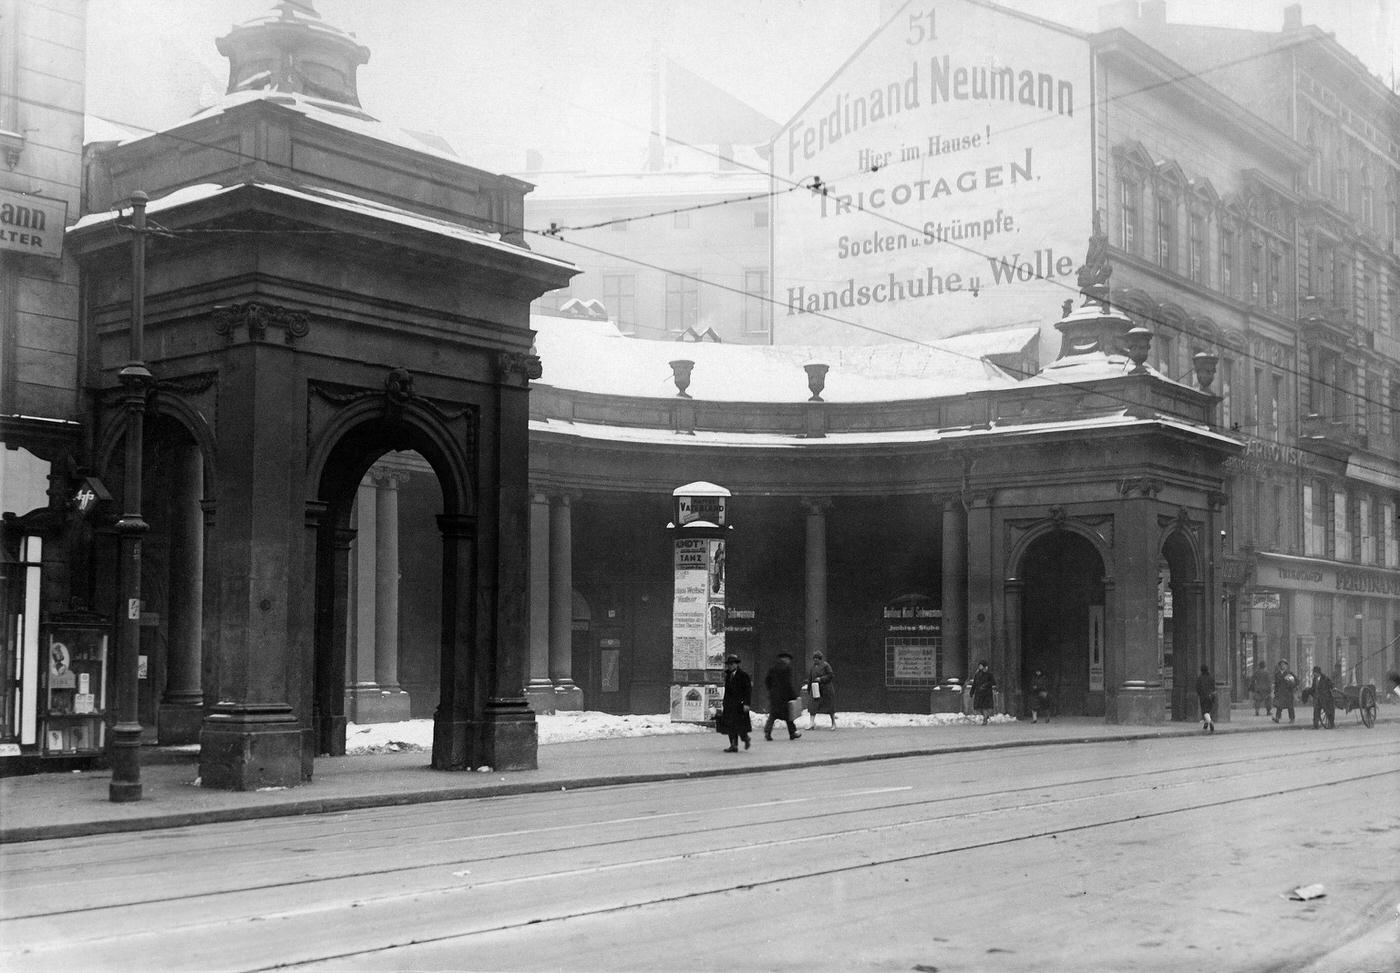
(42, 348)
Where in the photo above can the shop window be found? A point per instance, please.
(19, 641)
(758, 308)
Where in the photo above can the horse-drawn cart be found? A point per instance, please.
(1361, 698)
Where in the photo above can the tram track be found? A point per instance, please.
(14, 873)
(402, 888)
(810, 874)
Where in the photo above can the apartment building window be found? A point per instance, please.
(1389, 532)
(1315, 518)
(1341, 186)
(1275, 295)
(760, 218)
(1341, 526)
(758, 309)
(682, 301)
(1366, 315)
(620, 298)
(1323, 269)
(680, 221)
(1368, 199)
(1314, 163)
(1344, 409)
(1223, 377)
(1275, 403)
(1256, 271)
(1165, 347)
(1367, 525)
(1372, 404)
(1227, 261)
(1198, 247)
(1166, 232)
(1128, 193)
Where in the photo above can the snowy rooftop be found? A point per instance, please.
(344, 202)
(593, 356)
(341, 116)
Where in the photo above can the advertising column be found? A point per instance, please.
(698, 612)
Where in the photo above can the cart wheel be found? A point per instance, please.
(1368, 705)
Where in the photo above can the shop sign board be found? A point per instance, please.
(32, 224)
(942, 171)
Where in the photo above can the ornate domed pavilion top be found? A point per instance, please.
(290, 48)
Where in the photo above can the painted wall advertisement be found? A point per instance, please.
(950, 169)
(697, 624)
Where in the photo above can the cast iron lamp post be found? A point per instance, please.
(135, 380)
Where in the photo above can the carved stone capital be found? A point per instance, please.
(517, 366)
(257, 317)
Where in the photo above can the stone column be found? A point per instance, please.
(540, 689)
(1190, 651)
(815, 606)
(981, 642)
(360, 617)
(567, 696)
(393, 701)
(182, 704)
(459, 739)
(1135, 694)
(954, 593)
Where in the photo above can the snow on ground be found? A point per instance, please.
(568, 727)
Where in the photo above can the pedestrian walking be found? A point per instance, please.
(1284, 684)
(1038, 694)
(734, 707)
(1205, 692)
(821, 691)
(983, 686)
(1324, 706)
(1261, 688)
(781, 693)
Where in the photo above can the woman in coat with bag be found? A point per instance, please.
(734, 707)
(821, 691)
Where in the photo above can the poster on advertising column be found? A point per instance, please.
(950, 172)
(689, 610)
(715, 617)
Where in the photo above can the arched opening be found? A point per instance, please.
(1178, 625)
(1062, 621)
(383, 615)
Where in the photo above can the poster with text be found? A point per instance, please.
(689, 609)
(952, 162)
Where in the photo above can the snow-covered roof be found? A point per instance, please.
(335, 200)
(332, 113)
(593, 356)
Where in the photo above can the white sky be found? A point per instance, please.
(571, 77)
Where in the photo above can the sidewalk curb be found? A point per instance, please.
(337, 805)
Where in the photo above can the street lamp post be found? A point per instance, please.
(135, 380)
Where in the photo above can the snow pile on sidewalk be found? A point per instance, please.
(569, 727)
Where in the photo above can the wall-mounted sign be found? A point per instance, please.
(947, 167)
(32, 224)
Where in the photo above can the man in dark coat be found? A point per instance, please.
(734, 707)
(781, 692)
(1284, 684)
(1324, 706)
(983, 686)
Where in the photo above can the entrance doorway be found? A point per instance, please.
(1062, 621)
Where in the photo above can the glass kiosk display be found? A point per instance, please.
(74, 700)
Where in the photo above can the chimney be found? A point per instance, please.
(1293, 17)
(534, 161)
(1154, 13)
